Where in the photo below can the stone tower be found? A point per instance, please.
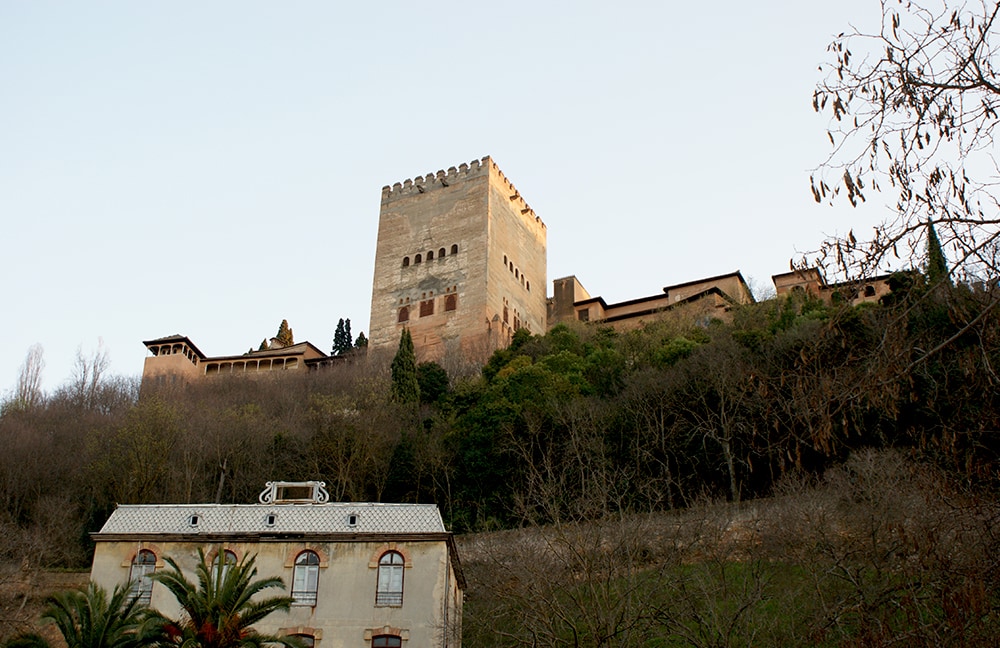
(460, 261)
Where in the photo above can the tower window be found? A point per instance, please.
(426, 308)
(417, 259)
(406, 261)
(404, 314)
(454, 248)
(441, 253)
(430, 255)
(450, 302)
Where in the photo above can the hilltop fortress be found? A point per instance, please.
(461, 262)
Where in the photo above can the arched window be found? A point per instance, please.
(305, 578)
(417, 259)
(143, 566)
(230, 560)
(454, 248)
(404, 314)
(387, 641)
(440, 253)
(390, 579)
(450, 302)
(430, 255)
(406, 261)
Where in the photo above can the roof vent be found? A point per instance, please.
(307, 492)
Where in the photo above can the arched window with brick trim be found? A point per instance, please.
(230, 560)
(305, 578)
(389, 591)
(143, 566)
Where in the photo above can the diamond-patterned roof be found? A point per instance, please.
(145, 519)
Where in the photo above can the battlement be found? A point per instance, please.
(474, 169)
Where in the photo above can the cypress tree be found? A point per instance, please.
(937, 264)
(361, 342)
(342, 344)
(338, 339)
(405, 388)
(284, 335)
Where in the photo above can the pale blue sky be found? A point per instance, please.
(212, 168)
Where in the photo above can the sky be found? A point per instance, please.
(212, 168)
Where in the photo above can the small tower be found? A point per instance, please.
(173, 357)
(460, 261)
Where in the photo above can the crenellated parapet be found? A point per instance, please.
(475, 169)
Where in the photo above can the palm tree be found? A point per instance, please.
(91, 619)
(218, 612)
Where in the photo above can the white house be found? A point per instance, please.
(363, 575)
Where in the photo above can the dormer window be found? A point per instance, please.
(307, 492)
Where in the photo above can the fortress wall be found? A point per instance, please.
(517, 263)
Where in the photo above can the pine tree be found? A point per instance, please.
(937, 264)
(361, 342)
(405, 388)
(284, 335)
(263, 345)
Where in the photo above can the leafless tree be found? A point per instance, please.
(28, 393)
(913, 109)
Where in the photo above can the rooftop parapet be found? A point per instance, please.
(474, 169)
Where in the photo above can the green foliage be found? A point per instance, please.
(405, 387)
(263, 345)
(673, 351)
(361, 342)
(219, 611)
(284, 335)
(432, 380)
(92, 618)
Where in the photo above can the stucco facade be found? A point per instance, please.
(349, 541)
(460, 261)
